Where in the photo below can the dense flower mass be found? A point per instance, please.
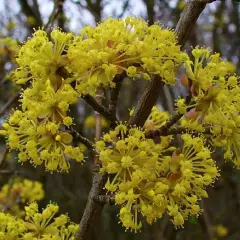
(216, 96)
(8, 49)
(156, 119)
(61, 69)
(41, 59)
(41, 142)
(37, 225)
(43, 102)
(21, 191)
(127, 45)
(148, 177)
(148, 180)
(39, 130)
(95, 57)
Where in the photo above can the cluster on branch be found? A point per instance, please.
(147, 174)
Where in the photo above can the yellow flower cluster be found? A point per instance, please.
(8, 49)
(216, 96)
(39, 130)
(150, 181)
(36, 225)
(98, 54)
(10, 227)
(41, 142)
(60, 69)
(21, 191)
(127, 45)
(41, 59)
(42, 102)
(156, 119)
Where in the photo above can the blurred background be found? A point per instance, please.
(218, 28)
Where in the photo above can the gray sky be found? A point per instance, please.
(76, 18)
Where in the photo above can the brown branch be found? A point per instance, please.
(60, 14)
(188, 19)
(146, 102)
(150, 10)
(205, 222)
(11, 101)
(3, 156)
(114, 97)
(173, 131)
(31, 11)
(94, 8)
(125, 6)
(98, 107)
(172, 120)
(93, 208)
(105, 199)
(7, 171)
(57, 12)
(98, 125)
(82, 139)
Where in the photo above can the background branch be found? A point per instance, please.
(10, 102)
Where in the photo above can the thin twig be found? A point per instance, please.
(7, 171)
(82, 139)
(98, 107)
(8, 104)
(163, 131)
(105, 199)
(57, 10)
(114, 97)
(172, 120)
(98, 125)
(173, 131)
(60, 14)
(169, 99)
(3, 81)
(205, 222)
(3, 156)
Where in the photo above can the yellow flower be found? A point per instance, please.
(42, 59)
(221, 231)
(11, 227)
(25, 191)
(156, 119)
(127, 45)
(43, 102)
(41, 142)
(149, 181)
(37, 225)
(135, 161)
